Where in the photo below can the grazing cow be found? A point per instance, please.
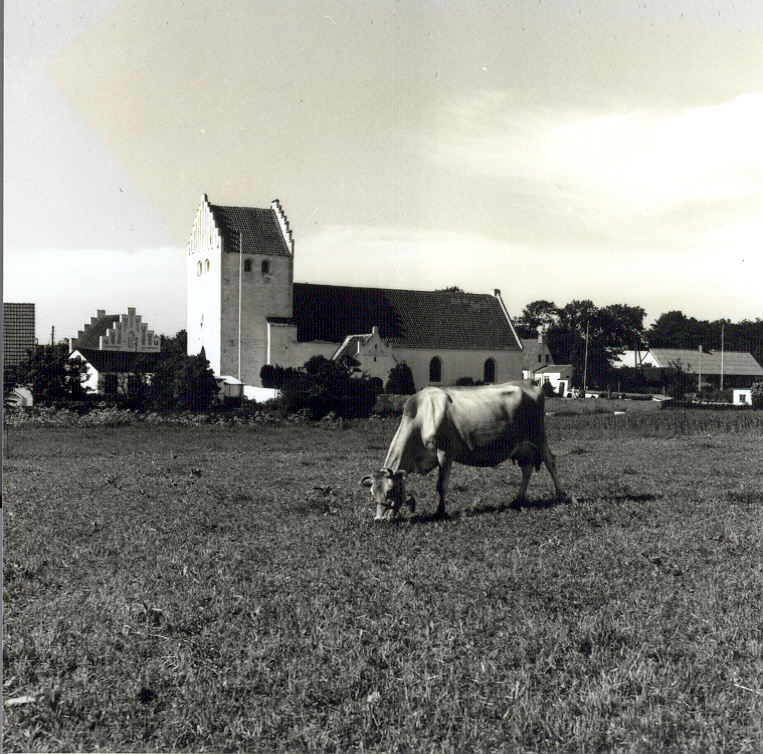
(475, 426)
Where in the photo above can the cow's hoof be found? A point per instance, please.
(516, 505)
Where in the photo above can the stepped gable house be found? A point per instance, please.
(112, 347)
(245, 310)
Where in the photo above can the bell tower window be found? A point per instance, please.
(247, 265)
(266, 267)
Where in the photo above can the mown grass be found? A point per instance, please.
(213, 589)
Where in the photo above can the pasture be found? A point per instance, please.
(171, 588)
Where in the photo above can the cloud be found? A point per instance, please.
(630, 174)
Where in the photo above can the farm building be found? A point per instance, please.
(245, 310)
(116, 348)
(559, 376)
(736, 369)
(536, 354)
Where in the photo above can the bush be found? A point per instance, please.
(756, 391)
(400, 381)
(327, 386)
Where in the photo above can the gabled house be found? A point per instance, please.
(245, 310)
(118, 350)
(536, 354)
(374, 356)
(738, 368)
(559, 376)
(117, 372)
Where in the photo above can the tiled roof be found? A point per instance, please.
(91, 337)
(734, 362)
(553, 369)
(120, 362)
(254, 230)
(350, 346)
(531, 347)
(406, 319)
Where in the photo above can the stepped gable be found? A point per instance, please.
(99, 326)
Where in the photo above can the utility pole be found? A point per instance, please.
(723, 326)
(699, 377)
(585, 360)
(52, 336)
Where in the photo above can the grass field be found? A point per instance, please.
(225, 589)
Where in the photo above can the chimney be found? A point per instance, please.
(540, 333)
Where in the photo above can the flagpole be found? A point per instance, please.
(723, 325)
(585, 362)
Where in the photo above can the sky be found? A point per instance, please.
(598, 149)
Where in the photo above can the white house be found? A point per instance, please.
(737, 368)
(559, 376)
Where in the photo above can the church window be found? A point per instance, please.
(265, 266)
(489, 370)
(198, 268)
(435, 370)
(206, 264)
(248, 265)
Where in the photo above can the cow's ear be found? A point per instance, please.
(366, 481)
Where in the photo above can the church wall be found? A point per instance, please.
(203, 277)
(264, 292)
(458, 363)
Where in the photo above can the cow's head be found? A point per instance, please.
(388, 489)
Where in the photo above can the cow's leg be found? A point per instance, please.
(527, 472)
(443, 477)
(550, 461)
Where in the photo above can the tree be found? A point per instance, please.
(540, 313)
(756, 394)
(400, 381)
(51, 376)
(10, 382)
(181, 381)
(324, 385)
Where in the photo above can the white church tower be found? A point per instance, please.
(240, 271)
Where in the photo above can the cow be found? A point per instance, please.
(474, 426)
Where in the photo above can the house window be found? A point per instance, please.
(266, 267)
(489, 371)
(548, 358)
(248, 265)
(435, 370)
(540, 358)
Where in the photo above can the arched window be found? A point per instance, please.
(489, 371)
(247, 265)
(198, 268)
(265, 266)
(206, 264)
(435, 370)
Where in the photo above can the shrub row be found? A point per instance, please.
(113, 417)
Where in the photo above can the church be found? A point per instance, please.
(246, 311)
